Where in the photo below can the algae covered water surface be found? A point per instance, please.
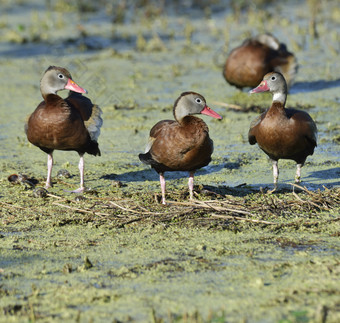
(235, 254)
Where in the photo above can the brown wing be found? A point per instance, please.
(307, 126)
(90, 113)
(147, 157)
(159, 127)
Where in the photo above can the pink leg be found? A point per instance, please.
(81, 172)
(49, 171)
(162, 181)
(298, 173)
(191, 185)
(275, 175)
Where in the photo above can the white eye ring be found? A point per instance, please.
(61, 76)
(198, 100)
(273, 78)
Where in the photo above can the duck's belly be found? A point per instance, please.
(176, 159)
(280, 143)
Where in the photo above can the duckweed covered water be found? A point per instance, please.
(87, 261)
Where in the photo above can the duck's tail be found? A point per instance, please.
(146, 158)
(92, 148)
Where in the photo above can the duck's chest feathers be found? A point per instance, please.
(278, 134)
(183, 146)
(275, 124)
(193, 130)
(56, 125)
(53, 116)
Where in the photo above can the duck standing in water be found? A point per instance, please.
(247, 64)
(64, 124)
(282, 133)
(182, 144)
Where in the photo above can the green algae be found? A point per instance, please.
(62, 259)
(182, 265)
(198, 273)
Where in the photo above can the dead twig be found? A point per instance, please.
(221, 216)
(224, 209)
(228, 105)
(81, 210)
(134, 211)
(208, 205)
(11, 206)
(55, 196)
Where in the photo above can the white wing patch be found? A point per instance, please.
(94, 124)
(149, 144)
(269, 40)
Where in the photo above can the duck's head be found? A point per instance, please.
(56, 79)
(190, 103)
(274, 83)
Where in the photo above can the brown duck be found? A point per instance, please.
(282, 133)
(64, 124)
(247, 64)
(182, 144)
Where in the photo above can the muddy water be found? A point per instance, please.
(135, 72)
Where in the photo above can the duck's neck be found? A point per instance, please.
(50, 96)
(46, 89)
(280, 97)
(51, 99)
(45, 93)
(180, 112)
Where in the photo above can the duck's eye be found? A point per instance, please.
(61, 76)
(273, 78)
(198, 100)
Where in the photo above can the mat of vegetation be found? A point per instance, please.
(122, 256)
(115, 254)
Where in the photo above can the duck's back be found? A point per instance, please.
(248, 63)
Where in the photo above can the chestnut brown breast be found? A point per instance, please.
(59, 124)
(180, 147)
(284, 133)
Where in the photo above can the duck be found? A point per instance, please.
(182, 144)
(71, 124)
(247, 64)
(282, 133)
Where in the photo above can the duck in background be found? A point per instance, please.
(247, 64)
(64, 124)
(282, 133)
(182, 144)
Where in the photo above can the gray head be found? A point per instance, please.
(190, 103)
(274, 83)
(56, 79)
